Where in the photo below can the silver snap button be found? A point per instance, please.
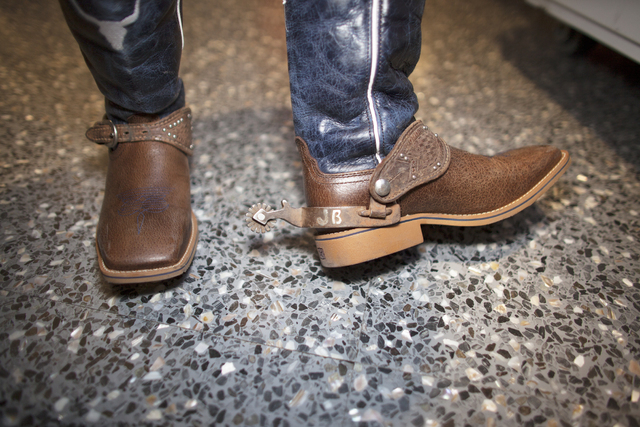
(382, 187)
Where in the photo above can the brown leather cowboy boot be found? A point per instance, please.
(368, 214)
(373, 174)
(147, 231)
(429, 183)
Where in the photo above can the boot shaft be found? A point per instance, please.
(133, 49)
(349, 63)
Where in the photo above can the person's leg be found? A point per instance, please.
(146, 230)
(133, 49)
(369, 167)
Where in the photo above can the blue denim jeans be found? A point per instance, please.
(349, 63)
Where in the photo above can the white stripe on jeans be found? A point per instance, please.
(180, 22)
(375, 47)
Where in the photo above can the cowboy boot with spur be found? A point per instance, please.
(372, 173)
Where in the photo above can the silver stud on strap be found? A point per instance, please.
(382, 187)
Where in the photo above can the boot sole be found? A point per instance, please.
(153, 274)
(358, 245)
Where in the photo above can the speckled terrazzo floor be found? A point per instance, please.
(533, 321)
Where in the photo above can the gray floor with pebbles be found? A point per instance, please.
(532, 321)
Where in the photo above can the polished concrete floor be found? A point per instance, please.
(532, 321)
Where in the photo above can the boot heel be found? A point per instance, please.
(364, 244)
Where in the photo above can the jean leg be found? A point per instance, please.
(132, 48)
(349, 63)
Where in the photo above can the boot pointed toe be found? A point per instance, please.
(475, 184)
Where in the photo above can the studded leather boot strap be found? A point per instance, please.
(418, 157)
(174, 130)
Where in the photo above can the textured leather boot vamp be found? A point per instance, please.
(146, 213)
(147, 231)
(477, 184)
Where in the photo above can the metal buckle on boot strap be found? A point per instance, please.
(104, 133)
(260, 218)
(114, 136)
